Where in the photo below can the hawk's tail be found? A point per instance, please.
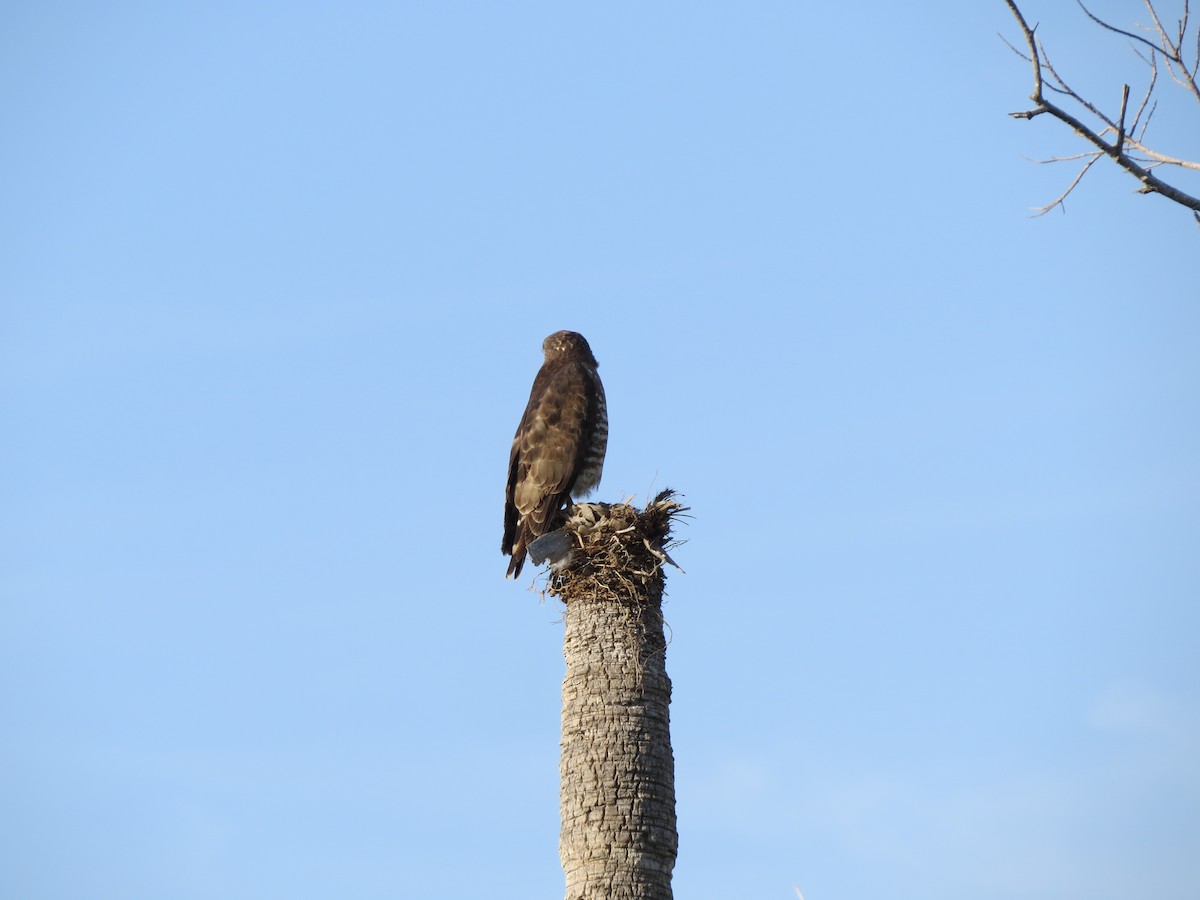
(518, 556)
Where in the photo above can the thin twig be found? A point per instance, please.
(1042, 210)
(1146, 97)
(1121, 117)
(1149, 116)
(1058, 159)
(1130, 34)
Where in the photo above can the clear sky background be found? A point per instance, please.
(274, 281)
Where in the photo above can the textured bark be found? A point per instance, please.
(617, 799)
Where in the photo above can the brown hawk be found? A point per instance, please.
(558, 450)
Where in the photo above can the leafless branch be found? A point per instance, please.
(1128, 34)
(1057, 159)
(1161, 159)
(1116, 138)
(1121, 118)
(1137, 118)
(1042, 210)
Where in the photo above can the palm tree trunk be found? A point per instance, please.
(617, 798)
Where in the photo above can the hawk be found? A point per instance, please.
(558, 450)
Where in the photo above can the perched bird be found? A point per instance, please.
(558, 450)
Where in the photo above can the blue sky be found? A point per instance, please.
(275, 279)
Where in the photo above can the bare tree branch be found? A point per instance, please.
(1129, 34)
(1153, 63)
(1127, 147)
(1042, 210)
(1121, 118)
(1057, 159)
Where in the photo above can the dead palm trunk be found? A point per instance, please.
(617, 797)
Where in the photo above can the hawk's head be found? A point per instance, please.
(567, 345)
